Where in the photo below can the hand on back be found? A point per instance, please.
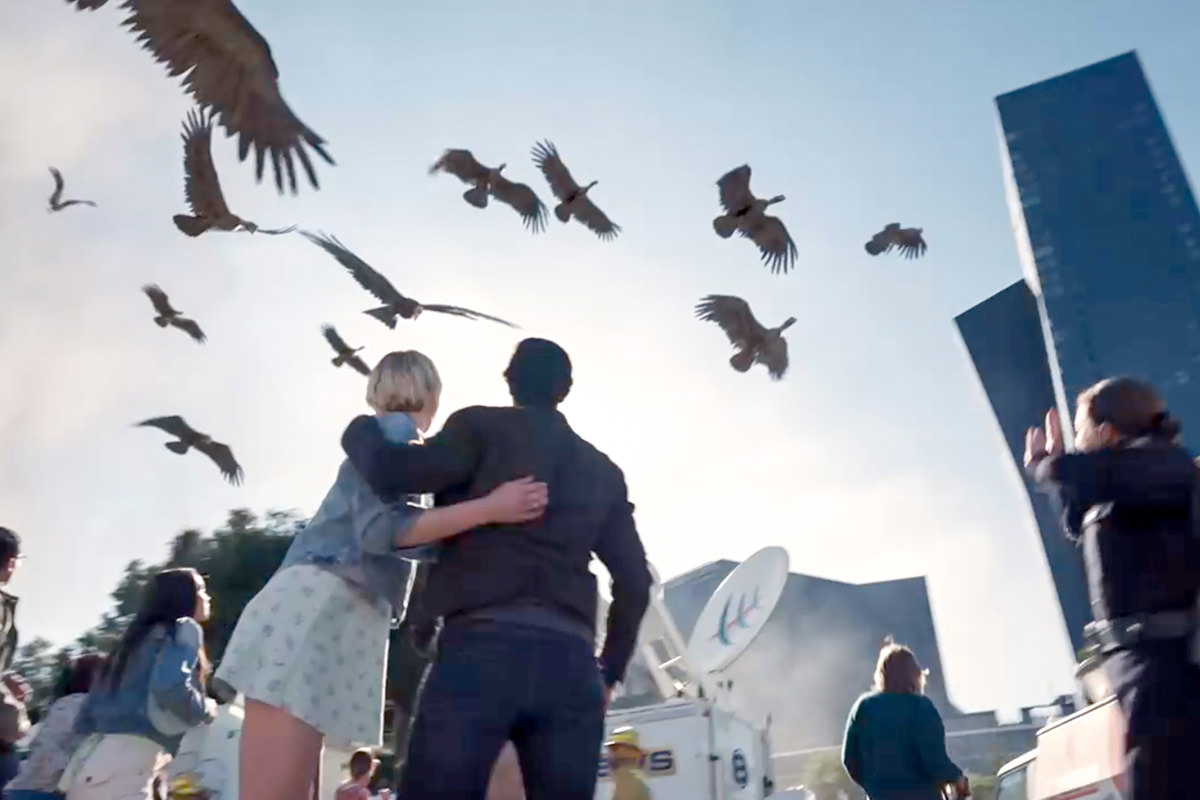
(518, 501)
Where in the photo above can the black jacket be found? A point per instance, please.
(547, 559)
(1134, 509)
(8, 630)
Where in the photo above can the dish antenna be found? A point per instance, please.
(738, 610)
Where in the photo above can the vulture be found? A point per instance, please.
(345, 353)
(203, 187)
(227, 67)
(908, 240)
(56, 201)
(486, 181)
(575, 200)
(169, 316)
(220, 454)
(754, 343)
(395, 304)
(748, 215)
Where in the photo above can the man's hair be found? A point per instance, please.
(539, 373)
(361, 763)
(10, 545)
(403, 381)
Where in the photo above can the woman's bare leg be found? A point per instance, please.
(277, 753)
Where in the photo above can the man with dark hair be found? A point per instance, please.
(516, 654)
(15, 692)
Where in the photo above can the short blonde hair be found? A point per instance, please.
(403, 381)
(897, 671)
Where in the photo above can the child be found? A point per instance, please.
(362, 768)
(625, 757)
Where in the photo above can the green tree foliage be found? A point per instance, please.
(41, 665)
(826, 777)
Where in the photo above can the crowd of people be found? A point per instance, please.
(514, 702)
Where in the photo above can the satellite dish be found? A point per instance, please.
(738, 609)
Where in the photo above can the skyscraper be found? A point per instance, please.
(1003, 335)
(1107, 230)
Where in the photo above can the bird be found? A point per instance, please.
(485, 181)
(56, 201)
(754, 342)
(908, 241)
(747, 215)
(227, 67)
(203, 187)
(169, 316)
(345, 353)
(395, 304)
(575, 200)
(188, 438)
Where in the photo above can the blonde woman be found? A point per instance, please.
(309, 650)
(895, 743)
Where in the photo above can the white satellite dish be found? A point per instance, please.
(738, 610)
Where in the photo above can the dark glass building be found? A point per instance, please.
(1108, 231)
(1003, 335)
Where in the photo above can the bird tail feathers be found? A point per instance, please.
(742, 360)
(192, 226)
(177, 447)
(562, 212)
(874, 247)
(477, 197)
(725, 226)
(384, 314)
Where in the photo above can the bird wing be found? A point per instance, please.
(159, 298)
(596, 220)
(173, 425)
(335, 341)
(190, 327)
(277, 231)
(58, 186)
(462, 165)
(459, 311)
(229, 69)
(360, 270)
(734, 189)
(77, 203)
(734, 316)
(222, 456)
(775, 355)
(201, 184)
(545, 156)
(359, 365)
(910, 242)
(774, 242)
(524, 200)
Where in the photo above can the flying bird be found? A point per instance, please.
(345, 353)
(575, 200)
(908, 241)
(203, 187)
(56, 201)
(227, 67)
(485, 181)
(188, 438)
(748, 215)
(395, 304)
(169, 316)
(754, 343)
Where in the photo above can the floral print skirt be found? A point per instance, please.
(313, 645)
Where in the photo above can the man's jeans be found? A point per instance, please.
(495, 681)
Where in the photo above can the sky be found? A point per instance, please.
(877, 457)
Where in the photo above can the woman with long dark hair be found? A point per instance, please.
(150, 695)
(895, 743)
(56, 737)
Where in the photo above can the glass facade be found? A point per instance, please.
(1003, 336)
(1107, 230)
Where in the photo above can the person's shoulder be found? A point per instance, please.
(189, 633)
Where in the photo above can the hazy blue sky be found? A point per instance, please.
(876, 458)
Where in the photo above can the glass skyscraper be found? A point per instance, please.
(1107, 230)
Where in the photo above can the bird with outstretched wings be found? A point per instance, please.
(462, 164)
(747, 215)
(187, 438)
(345, 353)
(754, 342)
(166, 314)
(202, 185)
(909, 241)
(573, 198)
(56, 201)
(395, 303)
(226, 66)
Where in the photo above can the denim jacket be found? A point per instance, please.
(161, 668)
(353, 534)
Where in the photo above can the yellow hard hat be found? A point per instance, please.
(624, 737)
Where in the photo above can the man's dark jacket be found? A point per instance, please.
(545, 560)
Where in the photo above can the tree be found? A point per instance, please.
(41, 665)
(826, 777)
